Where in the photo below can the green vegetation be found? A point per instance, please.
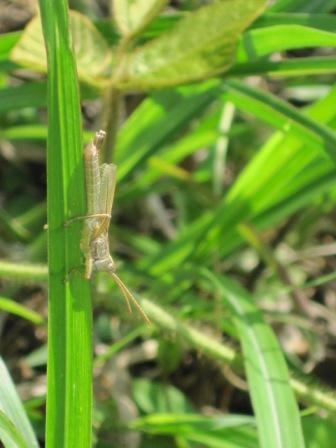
(221, 117)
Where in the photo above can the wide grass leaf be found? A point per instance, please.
(273, 400)
(69, 402)
(201, 44)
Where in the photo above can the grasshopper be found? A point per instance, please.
(100, 180)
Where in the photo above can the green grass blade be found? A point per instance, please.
(294, 175)
(287, 67)
(25, 132)
(10, 306)
(69, 400)
(23, 272)
(11, 406)
(326, 22)
(319, 432)
(303, 5)
(261, 42)
(278, 113)
(158, 118)
(32, 94)
(33, 132)
(10, 226)
(231, 431)
(9, 435)
(276, 411)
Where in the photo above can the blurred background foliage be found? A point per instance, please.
(226, 168)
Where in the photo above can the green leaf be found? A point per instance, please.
(30, 94)
(287, 67)
(326, 22)
(131, 16)
(23, 272)
(7, 42)
(10, 306)
(158, 118)
(9, 435)
(153, 397)
(69, 404)
(14, 423)
(276, 410)
(229, 431)
(303, 5)
(285, 175)
(202, 44)
(33, 132)
(260, 42)
(319, 432)
(92, 53)
(278, 113)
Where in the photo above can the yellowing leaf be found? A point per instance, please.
(202, 44)
(133, 15)
(93, 56)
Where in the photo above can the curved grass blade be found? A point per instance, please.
(277, 112)
(13, 413)
(9, 435)
(276, 410)
(10, 306)
(157, 119)
(261, 42)
(296, 173)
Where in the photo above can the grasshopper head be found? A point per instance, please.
(105, 264)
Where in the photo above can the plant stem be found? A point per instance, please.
(112, 109)
(111, 121)
(218, 351)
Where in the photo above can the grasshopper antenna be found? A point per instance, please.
(129, 297)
